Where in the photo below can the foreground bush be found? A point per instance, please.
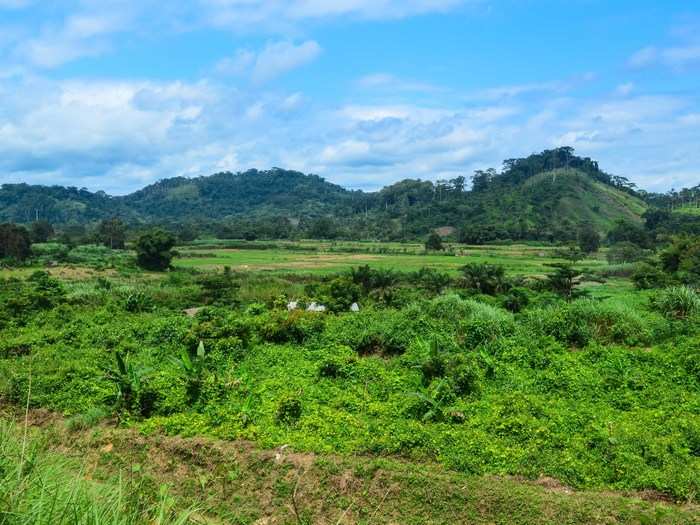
(587, 320)
(677, 302)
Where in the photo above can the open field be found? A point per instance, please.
(325, 258)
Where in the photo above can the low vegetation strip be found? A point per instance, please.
(106, 475)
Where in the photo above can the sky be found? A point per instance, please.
(116, 94)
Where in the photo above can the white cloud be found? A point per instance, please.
(78, 36)
(389, 82)
(625, 89)
(119, 136)
(14, 4)
(275, 59)
(675, 57)
(245, 14)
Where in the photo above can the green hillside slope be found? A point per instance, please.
(548, 195)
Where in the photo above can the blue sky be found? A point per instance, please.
(115, 94)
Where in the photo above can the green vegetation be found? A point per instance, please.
(475, 370)
(261, 376)
(154, 250)
(548, 196)
(110, 475)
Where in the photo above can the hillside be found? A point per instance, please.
(256, 193)
(544, 196)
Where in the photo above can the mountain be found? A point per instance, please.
(546, 195)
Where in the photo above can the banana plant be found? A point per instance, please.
(128, 377)
(193, 369)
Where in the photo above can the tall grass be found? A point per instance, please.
(678, 302)
(38, 487)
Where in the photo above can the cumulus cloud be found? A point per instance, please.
(275, 59)
(675, 57)
(389, 82)
(119, 136)
(240, 14)
(78, 36)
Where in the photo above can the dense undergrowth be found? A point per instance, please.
(595, 394)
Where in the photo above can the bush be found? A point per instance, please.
(137, 301)
(289, 410)
(291, 327)
(677, 302)
(488, 279)
(464, 375)
(338, 363)
(373, 332)
(624, 252)
(219, 288)
(586, 320)
(516, 300)
(154, 250)
(647, 276)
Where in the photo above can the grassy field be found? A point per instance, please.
(325, 258)
(688, 210)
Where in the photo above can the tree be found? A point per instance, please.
(570, 253)
(41, 231)
(112, 233)
(626, 231)
(154, 250)
(488, 279)
(15, 242)
(434, 242)
(624, 252)
(323, 228)
(588, 239)
(564, 281)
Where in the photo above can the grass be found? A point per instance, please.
(417, 409)
(688, 210)
(115, 476)
(517, 259)
(39, 486)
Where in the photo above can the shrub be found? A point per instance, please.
(488, 279)
(516, 300)
(585, 320)
(373, 332)
(434, 366)
(431, 280)
(464, 375)
(434, 242)
(295, 326)
(647, 276)
(219, 288)
(338, 364)
(289, 410)
(677, 302)
(137, 301)
(624, 252)
(154, 250)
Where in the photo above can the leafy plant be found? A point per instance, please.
(289, 410)
(193, 369)
(677, 302)
(129, 379)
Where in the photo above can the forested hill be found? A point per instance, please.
(258, 193)
(547, 195)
